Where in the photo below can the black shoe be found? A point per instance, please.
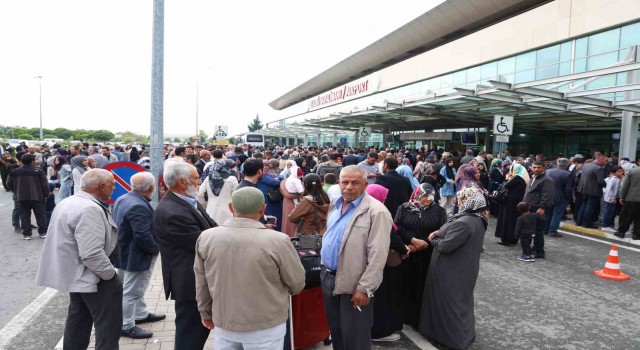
(635, 237)
(152, 318)
(619, 234)
(539, 256)
(136, 332)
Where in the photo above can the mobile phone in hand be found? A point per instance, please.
(271, 220)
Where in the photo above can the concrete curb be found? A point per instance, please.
(610, 237)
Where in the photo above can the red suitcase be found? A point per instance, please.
(310, 325)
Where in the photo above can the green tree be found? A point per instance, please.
(102, 135)
(255, 124)
(233, 140)
(175, 139)
(63, 133)
(203, 136)
(25, 136)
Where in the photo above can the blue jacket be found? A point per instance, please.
(136, 237)
(449, 188)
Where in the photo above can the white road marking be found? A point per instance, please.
(417, 338)
(599, 240)
(22, 319)
(59, 345)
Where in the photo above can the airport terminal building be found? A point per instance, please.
(564, 74)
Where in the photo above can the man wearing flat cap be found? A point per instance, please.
(251, 271)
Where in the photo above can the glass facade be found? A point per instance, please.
(595, 51)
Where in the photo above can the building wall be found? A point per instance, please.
(551, 23)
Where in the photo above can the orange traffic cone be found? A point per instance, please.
(611, 269)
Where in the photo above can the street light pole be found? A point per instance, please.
(39, 77)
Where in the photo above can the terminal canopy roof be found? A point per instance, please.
(551, 105)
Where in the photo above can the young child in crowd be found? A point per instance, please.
(610, 196)
(526, 227)
(329, 180)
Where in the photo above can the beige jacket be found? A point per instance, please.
(364, 249)
(244, 275)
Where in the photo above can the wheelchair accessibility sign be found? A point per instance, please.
(502, 125)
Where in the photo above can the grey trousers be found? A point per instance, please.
(133, 288)
(350, 328)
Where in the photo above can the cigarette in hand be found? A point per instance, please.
(359, 309)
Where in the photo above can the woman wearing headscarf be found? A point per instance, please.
(271, 180)
(63, 171)
(517, 181)
(80, 164)
(405, 170)
(310, 215)
(448, 190)
(291, 197)
(387, 309)
(484, 176)
(215, 191)
(302, 164)
(496, 178)
(416, 219)
(134, 156)
(447, 311)
(432, 178)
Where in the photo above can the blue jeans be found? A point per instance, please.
(609, 215)
(589, 205)
(553, 220)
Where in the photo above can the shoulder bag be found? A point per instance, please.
(311, 241)
(500, 194)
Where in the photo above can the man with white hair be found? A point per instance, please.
(179, 220)
(138, 253)
(354, 253)
(78, 258)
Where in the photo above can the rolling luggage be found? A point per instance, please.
(307, 319)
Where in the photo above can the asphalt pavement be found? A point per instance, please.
(552, 303)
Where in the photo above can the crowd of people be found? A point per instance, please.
(400, 233)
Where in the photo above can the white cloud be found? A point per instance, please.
(95, 57)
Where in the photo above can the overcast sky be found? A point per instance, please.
(95, 57)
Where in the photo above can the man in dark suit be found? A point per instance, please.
(138, 253)
(30, 188)
(399, 186)
(179, 220)
(540, 195)
(591, 185)
(205, 157)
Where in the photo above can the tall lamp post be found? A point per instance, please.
(39, 77)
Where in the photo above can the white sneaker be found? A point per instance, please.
(609, 229)
(392, 337)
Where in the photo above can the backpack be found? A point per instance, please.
(327, 167)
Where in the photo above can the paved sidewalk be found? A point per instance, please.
(163, 331)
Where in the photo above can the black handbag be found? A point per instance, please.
(310, 241)
(500, 194)
(311, 261)
(274, 194)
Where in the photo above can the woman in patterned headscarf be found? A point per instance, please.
(215, 192)
(496, 178)
(447, 310)
(416, 219)
(517, 180)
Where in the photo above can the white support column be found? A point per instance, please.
(305, 141)
(356, 139)
(629, 125)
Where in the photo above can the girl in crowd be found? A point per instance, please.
(310, 215)
(63, 171)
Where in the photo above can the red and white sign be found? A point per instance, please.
(349, 91)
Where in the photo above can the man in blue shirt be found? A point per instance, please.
(354, 253)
